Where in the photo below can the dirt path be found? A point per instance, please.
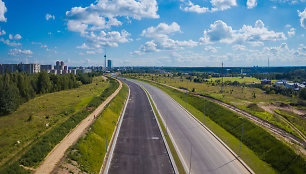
(58, 152)
(276, 130)
(270, 108)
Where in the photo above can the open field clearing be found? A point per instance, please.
(41, 114)
(245, 98)
(88, 153)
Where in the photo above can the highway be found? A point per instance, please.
(201, 152)
(139, 147)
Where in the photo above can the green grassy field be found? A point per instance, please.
(90, 150)
(262, 151)
(238, 96)
(41, 114)
(246, 80)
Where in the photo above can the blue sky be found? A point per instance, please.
(200, 33)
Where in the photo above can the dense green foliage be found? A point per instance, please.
(267, 148)
(44, 144)
(302, 94)
(17, 88)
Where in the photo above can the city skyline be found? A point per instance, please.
(154, 33)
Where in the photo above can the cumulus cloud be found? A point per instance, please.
(9, 43)
(239, 47)
(162, 30)
(111, 39)
(49, 16)
(291, 32)
(217, 5)
(83, 46)
(103, 14)
(161, 40)
(40, 44)
(220, 32)
(251, 3)
(18, 52)
(302, 16)
(190, 7)
(3, 10)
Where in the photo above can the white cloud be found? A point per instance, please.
(217, 5)
(211, 49)
(3, 10)
(239, 47)
(287, 25)
(190, 7)
(103, 14)
(251, 3)
(49, 16)
(291, 32)
(302, 15)
(161, 41)
(10, 36)
(9, 43)
(220, 32)
(162, 30)
(83, 46)
(2, 32)
(17, 37)
(18, 52)
(222, 4)
(111, 39)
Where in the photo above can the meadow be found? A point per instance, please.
(42, 122)
(90, 150)
(261, 151)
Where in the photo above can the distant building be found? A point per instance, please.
(28, 68)
(281, 82)
(109, 64)
(266, 82)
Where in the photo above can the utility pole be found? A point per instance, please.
(222, 79)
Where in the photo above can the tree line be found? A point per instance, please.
(18, 88)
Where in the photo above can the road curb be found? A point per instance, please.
(161, 132)
(111, 147)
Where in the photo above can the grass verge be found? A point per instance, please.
(40, 149)
(90, 150)
(175, 156)
(262, 150)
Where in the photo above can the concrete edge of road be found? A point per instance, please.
(111, 147)
(214, 135)
(161, 131)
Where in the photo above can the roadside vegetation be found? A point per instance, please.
(245, 96)
(89, 152)
(267, 148)
(38, 149)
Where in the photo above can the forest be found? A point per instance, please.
(18, 88)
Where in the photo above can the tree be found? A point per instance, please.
(43, 83)
(302, 94)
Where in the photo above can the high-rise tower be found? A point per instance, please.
(105, 62)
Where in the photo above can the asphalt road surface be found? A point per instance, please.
(140, 147)
(201, 152)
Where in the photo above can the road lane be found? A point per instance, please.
(139, 147)
(200, 151)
